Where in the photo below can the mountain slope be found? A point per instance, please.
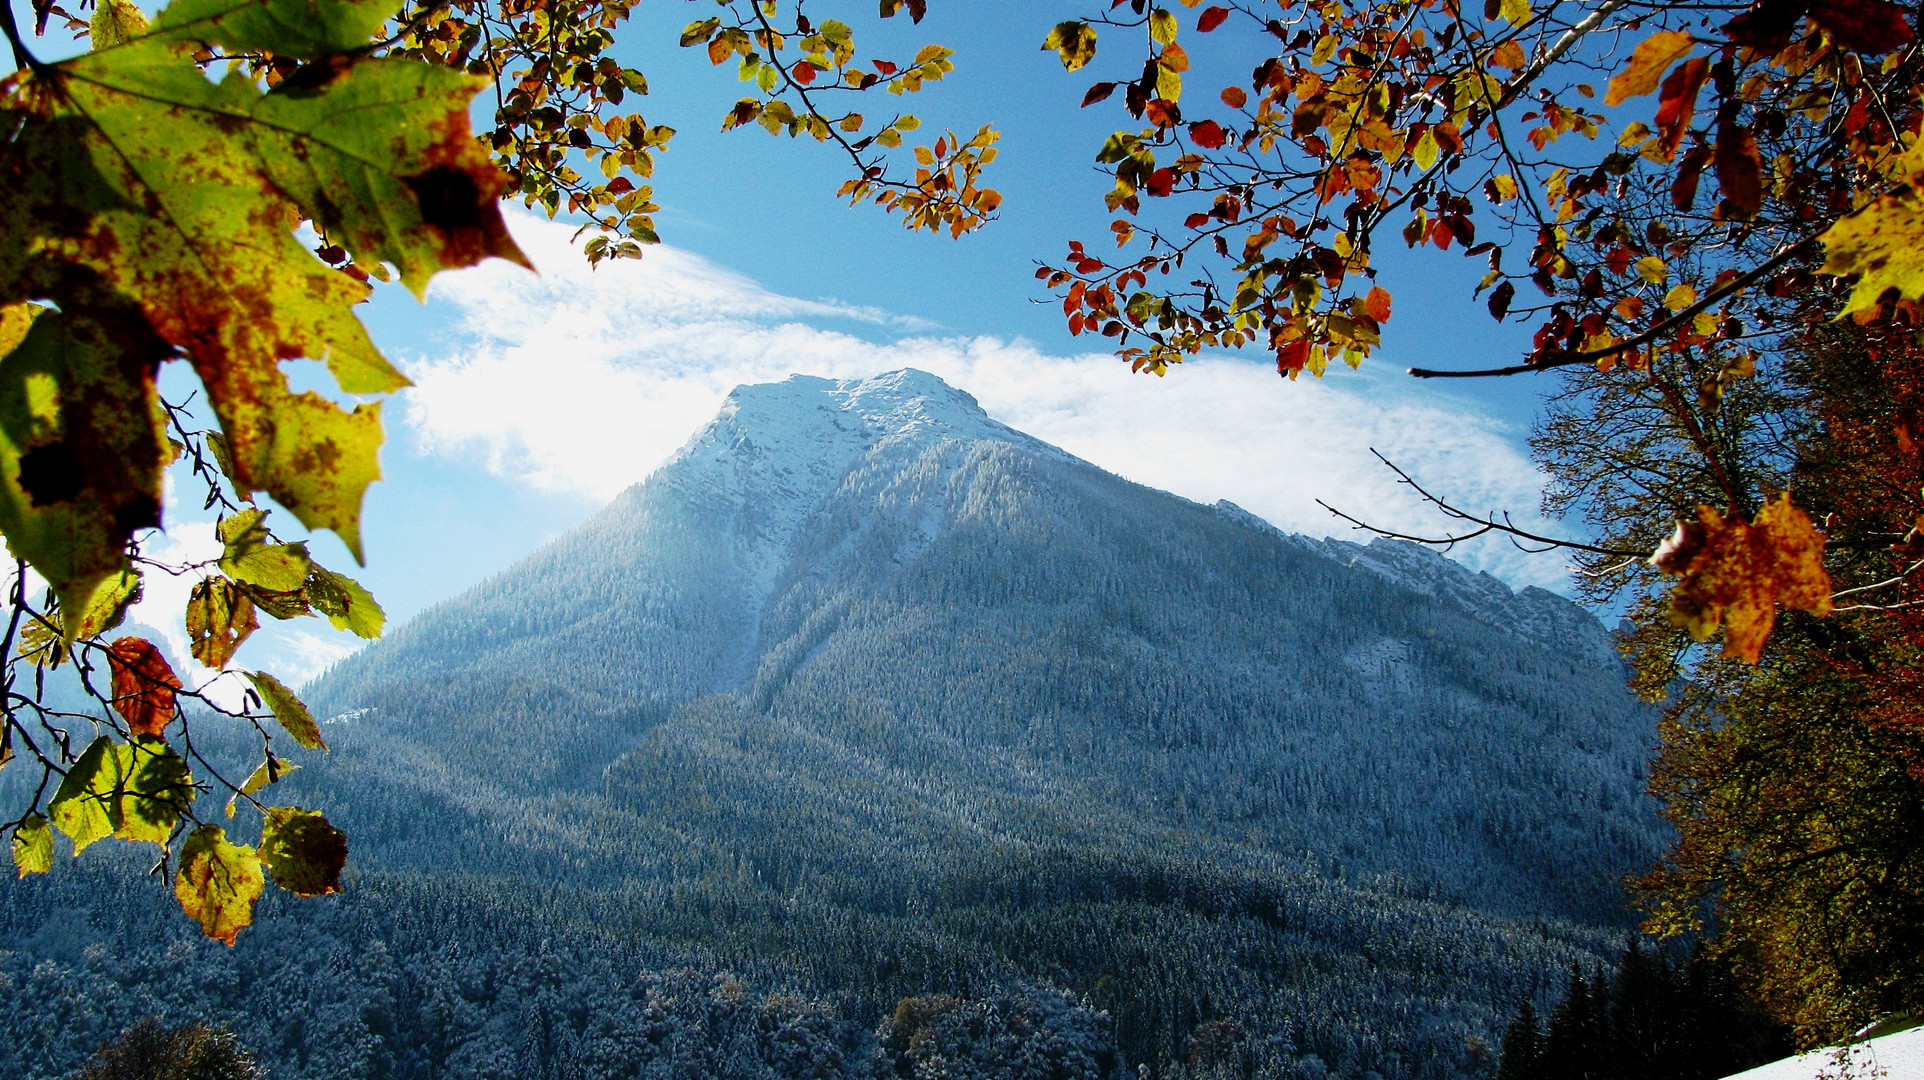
(915, 724)
(881, 562)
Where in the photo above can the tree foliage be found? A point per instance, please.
(150, 216)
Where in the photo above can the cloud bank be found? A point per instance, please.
(585, 380)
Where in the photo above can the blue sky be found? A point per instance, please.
(540, 397)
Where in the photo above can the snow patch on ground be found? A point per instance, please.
(1899, 1056)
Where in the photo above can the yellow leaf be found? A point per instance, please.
(1426, 150)
(33, 846)
(1505, 187)
(218, 883)
(1074, 41)
(1652, 269)
(1680, 297)
(1882, 245)
(1514, 12)
(1325, 48)
(1737, 573)
(1647, 65)
(1162, 26)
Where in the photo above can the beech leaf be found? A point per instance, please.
(1737, 574)
(219, 617)
(287, 709)
(135, 790)
(304, 852)
(1653, 57)
(144, 685)
(1074, 41)
(218, 883)
(33, 846)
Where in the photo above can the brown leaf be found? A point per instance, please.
(1740, 170)
(1737, 573)
(144, 685)
(220, 615)
(1867, 26)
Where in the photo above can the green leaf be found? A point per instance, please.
(80, 805)
(136, 791)
(288, 709)
(1074, 41)
(269, 771)
(345, 603)
(33, 846)
(303, 851)
(248, 557)
(81, 443)
(300, 29)
(151, 205)
(156, 789)
(218, 883)
(115, 22)
(698, 33)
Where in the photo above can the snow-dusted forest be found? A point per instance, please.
(869, 736)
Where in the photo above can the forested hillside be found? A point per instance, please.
(864, 697)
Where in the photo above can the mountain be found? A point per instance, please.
(871, 699)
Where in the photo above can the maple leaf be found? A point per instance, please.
(1737, 573)
(144, 685)
(155, 207)
(218, 883)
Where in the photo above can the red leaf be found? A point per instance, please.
(803, 71)
(1098, 92)
(144, 685)
(1163, 113)
(1162, 182)
(1292, 357)
(1867, 26)
(1768, 24)
(1683, 191)
(1210, 19)
(1209, 135)
(1195, 221)
(1679, 102)
(884, 67)
(1500, 298)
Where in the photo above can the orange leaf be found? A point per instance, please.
(1647, 65)
(1737, 574)
(1377, 304)
(144, 685)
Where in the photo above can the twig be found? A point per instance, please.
(1487, 524)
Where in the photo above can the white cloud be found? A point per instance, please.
(584, 381)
